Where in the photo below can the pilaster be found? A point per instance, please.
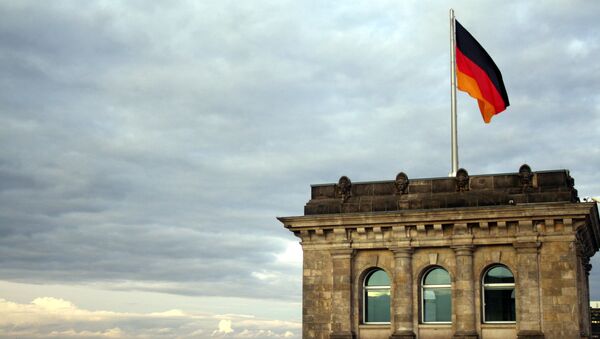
(403, 294)
(341, 312)
(528, 290)
(464, 305)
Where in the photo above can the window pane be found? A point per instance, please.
(378, 306)
(499, 274)
(437, 276)
(500, 304)
(378, 278)
(437, 305)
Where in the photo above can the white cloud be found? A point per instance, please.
(292, 254)
(224, 326)
(54, 317)
(577, 48)
(110, 333)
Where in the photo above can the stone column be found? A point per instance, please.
(341, 303)
(527, 286)
(464, 288)
(584, 296)
(403, 294)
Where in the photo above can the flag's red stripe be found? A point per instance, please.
(486, 87)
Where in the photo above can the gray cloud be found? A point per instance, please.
(150, 146)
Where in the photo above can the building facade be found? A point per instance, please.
(486, 256)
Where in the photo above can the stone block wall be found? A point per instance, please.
(560, 288)
(558, 295)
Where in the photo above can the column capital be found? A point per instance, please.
(402, 252)
(526, 246)
(463, 250)
(342, 253)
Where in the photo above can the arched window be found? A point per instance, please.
(436, 301)
(498, 295)
(376, 298)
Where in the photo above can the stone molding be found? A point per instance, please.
(530, 335)
(425, 228)
(403, 335)
(342, 335)
(518, 226)
(465, 335)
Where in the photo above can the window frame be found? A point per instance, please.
(366, 288)
(496, 286)
(424, 287)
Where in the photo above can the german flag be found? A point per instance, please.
(478, 75)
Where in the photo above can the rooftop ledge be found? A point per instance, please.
(462, 190)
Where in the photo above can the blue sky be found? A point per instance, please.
(147, 147)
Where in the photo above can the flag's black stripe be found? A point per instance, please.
(467, 44)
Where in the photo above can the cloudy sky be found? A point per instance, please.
(146, 147)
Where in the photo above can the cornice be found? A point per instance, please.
(441, 216)
(451, 227)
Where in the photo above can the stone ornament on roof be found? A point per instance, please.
(462, 180)
(401, 183)
(343, 188)
(571, 185)
(526, 177)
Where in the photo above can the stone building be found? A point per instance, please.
(483, 256)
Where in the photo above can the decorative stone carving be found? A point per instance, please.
(571, 184)
(526, 177)
(433, 258)
(344, 188)
(587, 266)
(462, 180)
(574, 195)
(570, 180)
(401, 183)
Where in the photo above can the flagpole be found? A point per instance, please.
(454, 133)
